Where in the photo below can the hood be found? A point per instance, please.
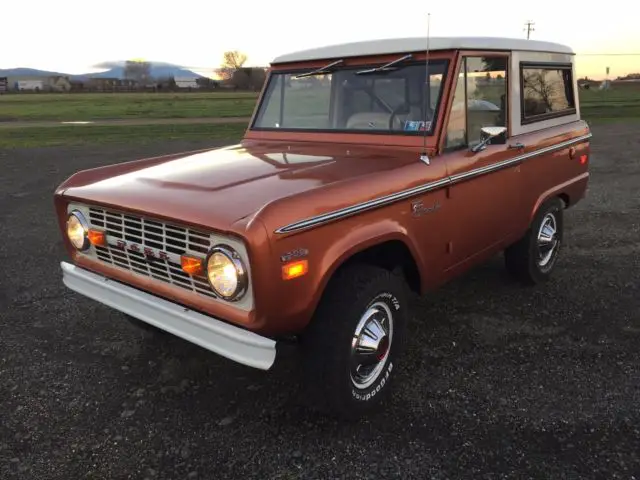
(216, 188)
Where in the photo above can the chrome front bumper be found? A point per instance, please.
(235, 343)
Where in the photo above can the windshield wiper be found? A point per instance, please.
(385, 67)
(320, 70)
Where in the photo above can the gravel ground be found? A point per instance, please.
(501, 381)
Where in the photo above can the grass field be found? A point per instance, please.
(101, 135)
(100, 106)
(616, 105)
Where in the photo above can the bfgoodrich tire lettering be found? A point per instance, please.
(354, 341)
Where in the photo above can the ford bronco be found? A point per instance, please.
(368, 171)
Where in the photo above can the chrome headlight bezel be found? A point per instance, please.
(77, 214)
(242, 277)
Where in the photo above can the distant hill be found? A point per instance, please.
(27, 72)
(114, 70)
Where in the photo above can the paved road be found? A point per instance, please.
(127, 121)
(501, 382)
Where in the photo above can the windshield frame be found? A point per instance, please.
(442, 63)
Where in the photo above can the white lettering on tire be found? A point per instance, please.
(379, 387)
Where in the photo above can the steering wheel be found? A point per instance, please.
(403, 107)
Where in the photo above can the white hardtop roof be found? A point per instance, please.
(419, 44)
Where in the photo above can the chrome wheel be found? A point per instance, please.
(371, 345)
(547, 240)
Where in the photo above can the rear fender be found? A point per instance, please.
(573, 189)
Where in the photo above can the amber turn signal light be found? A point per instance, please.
(97, 237)
(191, 265)
(295, 269)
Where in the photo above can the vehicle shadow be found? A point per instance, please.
(219, 385)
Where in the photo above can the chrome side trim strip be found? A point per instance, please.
(484, 170)
(558, 146)
(427, 187)
(361, 207)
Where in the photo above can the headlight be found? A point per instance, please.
(226, 272)
(77, 228)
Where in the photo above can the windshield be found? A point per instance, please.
(354, 100)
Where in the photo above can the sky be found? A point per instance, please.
(71, 37)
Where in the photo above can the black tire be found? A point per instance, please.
(524, 259)
(144, 325)
(327, 342)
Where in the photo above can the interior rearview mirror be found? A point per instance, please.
(488, 133)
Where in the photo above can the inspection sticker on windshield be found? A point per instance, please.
(417, 125)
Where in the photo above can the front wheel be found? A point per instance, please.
(354, 341)
(532, 259)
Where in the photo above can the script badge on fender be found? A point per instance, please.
(418, 209)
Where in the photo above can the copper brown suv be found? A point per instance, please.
(368, 170)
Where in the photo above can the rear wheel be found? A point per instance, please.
(353, 343)
(532, 259)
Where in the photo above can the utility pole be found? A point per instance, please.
(529, 28)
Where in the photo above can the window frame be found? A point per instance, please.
(531, 119)
(274, 75)
(460, 65)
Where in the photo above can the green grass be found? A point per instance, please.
(619, 104)
(101, 135)
(100, 106)
(95, 106)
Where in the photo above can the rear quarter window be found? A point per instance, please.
(546, 91)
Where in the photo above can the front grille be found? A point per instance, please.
(159, 236)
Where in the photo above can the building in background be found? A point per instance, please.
(57, 83)
(53, 83)
(25, 84)
(186, 82)
(99, 84)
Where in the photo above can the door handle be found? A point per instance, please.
(518, 146)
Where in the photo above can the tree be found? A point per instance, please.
(137, 70)
(248, 78)
(232, 61)
(538, 83)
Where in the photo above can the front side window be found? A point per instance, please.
(480, 100)
(397, 100)
(547, 92)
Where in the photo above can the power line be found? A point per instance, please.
(529, 28)
(609, 54)
(581, 54)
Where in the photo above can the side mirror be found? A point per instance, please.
(487, 134)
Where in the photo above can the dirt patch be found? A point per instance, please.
(129, 121)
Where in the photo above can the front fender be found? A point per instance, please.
(359, 240)
(290, 305)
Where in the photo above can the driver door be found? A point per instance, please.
(484, 195)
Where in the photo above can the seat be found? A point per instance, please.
(368, 120)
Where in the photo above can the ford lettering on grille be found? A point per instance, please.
(151, 247)
(148, 252)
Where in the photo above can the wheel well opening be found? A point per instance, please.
(565, 199)
(390, 255)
